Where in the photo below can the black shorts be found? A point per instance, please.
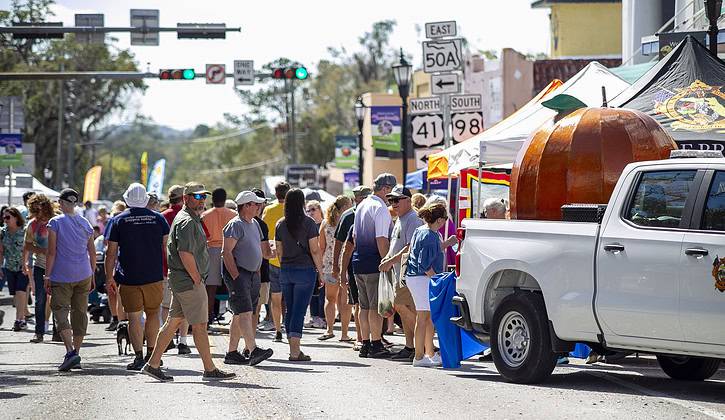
(352, 293)
(243, 291)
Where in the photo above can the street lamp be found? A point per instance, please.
(713, 9)
(402, 72)
(360, 115)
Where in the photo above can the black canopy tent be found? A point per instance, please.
(684, 93)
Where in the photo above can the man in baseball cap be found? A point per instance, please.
(195, 188)
(175, 192)
(243, 251)
(384, 180)
(361, 191)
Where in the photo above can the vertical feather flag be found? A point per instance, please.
(156, 179)
(144, 168)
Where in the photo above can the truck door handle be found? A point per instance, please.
(614, 248)
(698, 252)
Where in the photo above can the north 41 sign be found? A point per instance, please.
(427, 130)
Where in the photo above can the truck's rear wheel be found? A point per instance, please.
(688, 368)
(520, 342)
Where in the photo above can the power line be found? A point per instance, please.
(242, 168)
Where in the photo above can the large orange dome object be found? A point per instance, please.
(580, 158)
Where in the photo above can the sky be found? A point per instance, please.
(299, 30)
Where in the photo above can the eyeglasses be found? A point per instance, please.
(199, 196)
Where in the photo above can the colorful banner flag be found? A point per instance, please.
(386, 127)
(144, 168)
(346, 151)
(156, 179)
(92, 186)
(11, 150)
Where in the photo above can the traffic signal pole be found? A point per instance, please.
(33, 31)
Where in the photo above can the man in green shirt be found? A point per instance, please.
(188, 260)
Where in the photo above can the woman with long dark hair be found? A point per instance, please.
(301, 262)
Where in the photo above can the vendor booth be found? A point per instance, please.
(684, 94)
(504, 139)
(23, 183)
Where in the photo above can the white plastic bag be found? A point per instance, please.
(386, 294)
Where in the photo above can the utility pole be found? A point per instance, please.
(59, 143)
(71, 153)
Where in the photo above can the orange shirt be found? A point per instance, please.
(214, 220)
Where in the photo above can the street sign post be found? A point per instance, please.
(216, 74)
(243, 72)
(442, 55)
(445, 83)
(440, 29)
(149, 20)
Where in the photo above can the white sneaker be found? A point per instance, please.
(436, 359)
(266, 326)
(310, 323)
(319, 323)
(424, 362)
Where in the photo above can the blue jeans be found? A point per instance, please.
(297, 285)
(317, 304)
(41, 297)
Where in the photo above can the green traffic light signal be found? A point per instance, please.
(301, 73)
(188, 74)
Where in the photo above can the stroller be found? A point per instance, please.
(98, 299)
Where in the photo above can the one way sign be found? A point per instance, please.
(243, 72)
(444, 83)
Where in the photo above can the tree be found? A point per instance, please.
(87, 103)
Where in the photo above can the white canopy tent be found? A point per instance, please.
(23, 183)
(504, 140)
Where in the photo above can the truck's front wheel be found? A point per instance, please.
(688, 368)
(520, 342)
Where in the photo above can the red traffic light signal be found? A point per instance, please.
(177, 74)
(299, 73)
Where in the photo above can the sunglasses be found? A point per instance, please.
(6, 217)
(199, 196)
(396, 200)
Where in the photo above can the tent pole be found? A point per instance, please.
(10, 185)
(478, 193)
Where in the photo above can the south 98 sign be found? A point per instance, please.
(466, 125)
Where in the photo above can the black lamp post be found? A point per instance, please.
(402, 72)
(712, 11)
(360, 115)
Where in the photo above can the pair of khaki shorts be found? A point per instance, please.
(404, 298)
(166, 300)
(367, 288)
(144, 297)
(190, 304)
(264, 293)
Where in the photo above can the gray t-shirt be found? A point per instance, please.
(296, 248)
(248, 250)
(402, 234)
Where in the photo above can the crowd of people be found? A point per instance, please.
(168, 267)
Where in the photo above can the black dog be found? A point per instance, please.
(121, 335)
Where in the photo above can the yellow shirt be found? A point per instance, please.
(271, 216)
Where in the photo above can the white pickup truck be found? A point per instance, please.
(648, 277)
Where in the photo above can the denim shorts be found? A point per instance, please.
(16, 281)
(274, 273)
(243, 291)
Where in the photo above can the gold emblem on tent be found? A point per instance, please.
(698, 107)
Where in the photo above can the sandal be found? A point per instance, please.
(300, 358)
(347, 340)
(324, 337)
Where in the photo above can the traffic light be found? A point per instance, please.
(177, 74)
(299, 73)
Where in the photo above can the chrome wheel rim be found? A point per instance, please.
(513, 339)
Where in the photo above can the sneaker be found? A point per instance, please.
(436, 359)
(266, 326)
(156, 373)
(319, 323)
(183, 349)
(364, 350)
(37, 339)
(148, 357)
(137, 364)
(235, 358)
(379, 353)
(171, 345)
(16, 326)
(112, 326)
(278, 337)
(23, 325)
(310, 323)
(71, 360)
(424, 362)
(404, 354)
(217, 375)
(259, 355)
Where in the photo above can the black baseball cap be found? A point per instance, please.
(399, 191)
(259, 193)
(70, 195)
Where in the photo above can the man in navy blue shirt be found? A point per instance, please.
(140, 235)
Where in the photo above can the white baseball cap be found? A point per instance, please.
(136, 196)
(245, 197)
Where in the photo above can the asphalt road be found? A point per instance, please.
(335, 384)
